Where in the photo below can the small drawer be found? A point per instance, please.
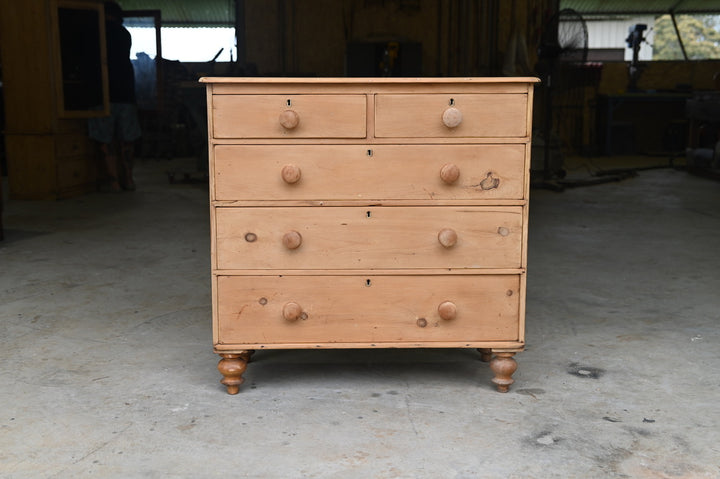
(368, 237)
(74, 172)
(484, 115)
(369, 309)
(71, 145)
(289, 116)
(369, 172)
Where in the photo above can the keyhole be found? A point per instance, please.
(370, 152)
(289, 103)
(368, 282)
(368, 213)
(452, 101)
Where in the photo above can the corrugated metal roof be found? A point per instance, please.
(640, 7)
(185, 13)
(222, 12)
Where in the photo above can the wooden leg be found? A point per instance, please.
(232, 366)
(247, 355)
(503, 365)
(485, 354)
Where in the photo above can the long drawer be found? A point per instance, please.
(289, 116)
(72, 145)
(368, 237)
(451, 116)
(366, 172)
(327, 309)
(74, 172)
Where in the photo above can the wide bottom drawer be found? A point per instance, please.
(266, 310)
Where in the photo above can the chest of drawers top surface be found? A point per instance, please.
(369, 212)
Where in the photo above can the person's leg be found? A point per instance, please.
(110, 161)
(129, 132)
(102, 130)
(127, 159)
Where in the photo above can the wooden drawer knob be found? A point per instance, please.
(292, 239)
(450, 173)
(447, 237)
(452, 117)
(447, 310)
(291, 174)
(289, 119)
(292, 311)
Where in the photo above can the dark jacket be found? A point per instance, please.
(120, 69)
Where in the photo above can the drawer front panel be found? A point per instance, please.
(482, 116)
(71, 145)
(368, 237)
(327, 309)
(73, 172)
(317, 116)
(355, 172)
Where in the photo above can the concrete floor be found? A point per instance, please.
(107, 369)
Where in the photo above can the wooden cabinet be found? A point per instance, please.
(369, 213)
(54, 78)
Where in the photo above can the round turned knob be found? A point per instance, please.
(292, 311)
(447, 237)
(289, 119)
(452, 117)
(291, 174)
(449, 173)
(447, 310)
(292, 239)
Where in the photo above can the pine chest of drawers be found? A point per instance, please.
(369, 213)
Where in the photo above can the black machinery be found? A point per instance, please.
(634, 40)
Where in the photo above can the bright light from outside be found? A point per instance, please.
(185, 44)
(700, 35)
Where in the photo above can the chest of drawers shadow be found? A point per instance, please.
(369, 213)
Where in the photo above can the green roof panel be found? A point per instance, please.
(641, 7)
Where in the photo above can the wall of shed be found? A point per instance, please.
(458, 37)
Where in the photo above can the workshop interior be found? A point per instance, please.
(617, 79)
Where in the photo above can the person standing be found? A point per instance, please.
(118, 132)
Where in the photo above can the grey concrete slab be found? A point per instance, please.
(107, 370)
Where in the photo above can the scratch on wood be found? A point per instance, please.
(241, 311)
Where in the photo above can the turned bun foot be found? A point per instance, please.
(247, 355)
(485, 354)
(232, 366)
(503, 365)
